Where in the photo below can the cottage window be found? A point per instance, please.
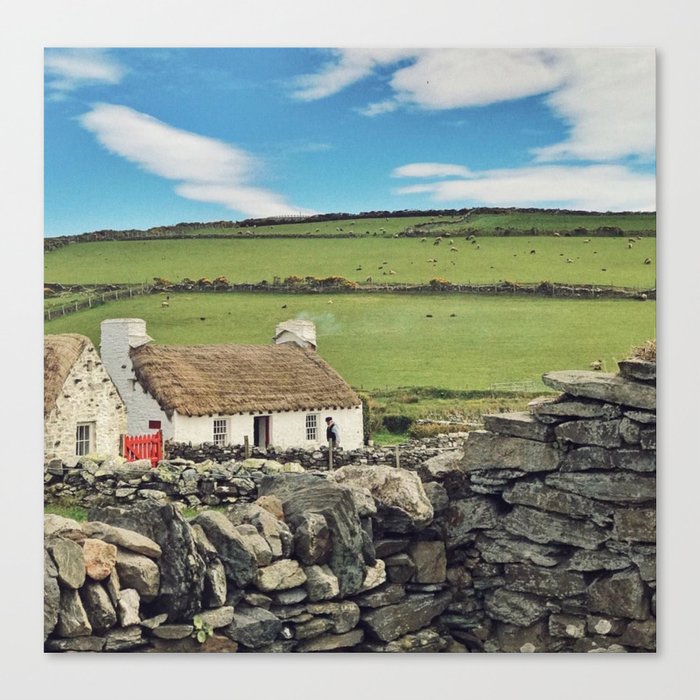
(312, 426)
(84, 438)
(220, 431)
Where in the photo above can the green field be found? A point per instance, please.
(602, 261)
(377, 341)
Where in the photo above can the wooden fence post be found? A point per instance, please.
(246, 446)
(398, 461)
(330, 454)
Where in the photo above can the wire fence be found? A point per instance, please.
(97, 298)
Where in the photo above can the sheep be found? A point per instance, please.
(437, 241)
(631, 240)
(647, 261)
(164, 303)
(629, 246)
(569, 260)
(556, 233)
(422, 240)
(330, 301)
(587, 240)
(392, 272)
(643, 297)
(454, 250)
(597, 365)
(369, 279)
(532, 252)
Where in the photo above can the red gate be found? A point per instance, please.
(144, 447)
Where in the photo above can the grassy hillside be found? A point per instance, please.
(490, 259)
(380, 341)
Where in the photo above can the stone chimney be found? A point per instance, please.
(117, 337)
(298, 331)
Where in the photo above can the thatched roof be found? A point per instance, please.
(201, 380)
(61, 352)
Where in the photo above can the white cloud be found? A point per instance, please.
(431, 170)
(609, 101)
(347, 67)
(594, 187)
(208, 170)
(605, 96)
(73, 68)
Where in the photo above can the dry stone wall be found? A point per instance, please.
(536, 534)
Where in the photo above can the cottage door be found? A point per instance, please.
(261, 431)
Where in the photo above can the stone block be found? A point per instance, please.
(621, 594)
(593, 431)
(430, 561)
(620, 487)
(635, 524)
(486, 450)
(519, 424)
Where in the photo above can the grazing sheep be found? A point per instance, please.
(369, 279)
(422, 240)
(164, 304)
(629, 245)
(473, 241)
(478, 247)
(392, 272)
(532, 252)
(631, 240)
(330, 301)
(437, 241)
(597, 365)
(647, 261)
(643, 297)
(454, 250)
(556, 233)
(569, 260)
(587, 240)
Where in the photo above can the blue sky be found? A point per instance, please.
(136, 138)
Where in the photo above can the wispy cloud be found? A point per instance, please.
(594, 187)
(207, 169)
(431, 170)
(605, 96)
(70, 69)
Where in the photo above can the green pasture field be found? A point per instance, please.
(379, 341)
(602, 261)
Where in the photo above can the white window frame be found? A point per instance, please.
(84, 444)
(220, 437)
(312, 426)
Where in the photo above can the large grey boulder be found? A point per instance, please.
(68, 556)
(522, 609)
(621, 595)
(52, 595)
(300, 496)
(487, 450)
(398, 493)
(98, 607)
(411, 614)
(126, 539)
(253, 627)
(138, 572)
(237, 556)
(72, 618)
(539, 496)
(548, 528)
(621, 487)
(181, 567)
(275, 532)
(603, 386)
(464, 516)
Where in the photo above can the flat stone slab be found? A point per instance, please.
(519, 424)
(486, 450)
(602, 386)
(547, 528)
(545, 582)
(393, 621)
(622, 487)
(590, 431)
(551, 410)
(643, 370)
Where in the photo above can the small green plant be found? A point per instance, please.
(202, 630)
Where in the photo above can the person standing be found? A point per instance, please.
(332, 432)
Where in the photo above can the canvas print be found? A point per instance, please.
(349, 350)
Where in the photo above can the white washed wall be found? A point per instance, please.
(87, 396)
(118, 335)
(288, 428)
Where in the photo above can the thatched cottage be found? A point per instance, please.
(277, 394)
(83, 412)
